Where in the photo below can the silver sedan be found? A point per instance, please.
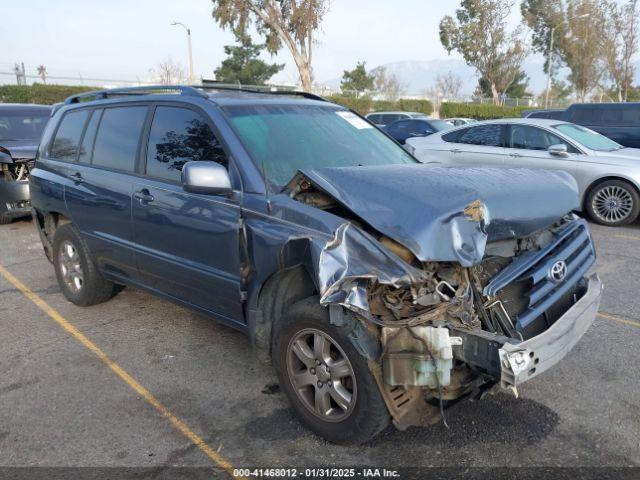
(608, 174)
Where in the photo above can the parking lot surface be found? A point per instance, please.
(62, 405)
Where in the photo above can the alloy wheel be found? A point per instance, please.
(321, 375)
(70, 266)
(612, 203)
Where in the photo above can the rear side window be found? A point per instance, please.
(390, 118)
(486, 135)
(117, 139)
(65, 144)
(453, 137)
(587, 116)
(626, 115)
(177, 136)
(84, 155)
(374, 118)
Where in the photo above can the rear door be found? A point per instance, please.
(480, 145)
(187, 245)
(528, 145)
(98, 195)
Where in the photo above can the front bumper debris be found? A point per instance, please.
(14, 198)
(523, 361)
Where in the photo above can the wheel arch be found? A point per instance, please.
(276, 294)
(47, 223)
(594, 183)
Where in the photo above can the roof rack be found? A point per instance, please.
(193, 91)
(119, 92)
(268, 90)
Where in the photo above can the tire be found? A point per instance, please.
(77, 274)
(363, 413)
(5, 219)
(613, 203)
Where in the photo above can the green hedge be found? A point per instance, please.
(479, 111)
(39, 93)
(364, 105)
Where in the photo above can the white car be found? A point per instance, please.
(607, 174)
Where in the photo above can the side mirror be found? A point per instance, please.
(5, 157)
(206, 177)
(559, 150)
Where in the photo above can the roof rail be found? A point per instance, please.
(193, 91)
(268, 90)
(146, 90)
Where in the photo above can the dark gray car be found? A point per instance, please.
(21, 127)
(378, 286)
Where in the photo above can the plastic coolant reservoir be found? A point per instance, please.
(407, 361)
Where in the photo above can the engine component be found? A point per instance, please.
(417, 356)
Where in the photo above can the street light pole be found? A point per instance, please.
(188, 30)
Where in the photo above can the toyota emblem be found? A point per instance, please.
(558, 271)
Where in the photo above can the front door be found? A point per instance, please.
(186, 244)
(479, 146)
(528, 148)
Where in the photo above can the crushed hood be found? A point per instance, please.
(449, 214)
(19, 149)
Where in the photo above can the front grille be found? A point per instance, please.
(533, 299)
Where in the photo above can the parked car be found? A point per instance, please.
(553, 114)
(20, 129)
(401, 130)
(378, 286)
(608, 174)
(382, 119)
(618, 121)
(457, 122)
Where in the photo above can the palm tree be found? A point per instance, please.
(42, 71)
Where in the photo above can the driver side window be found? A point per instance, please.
(177, 136)
(532, 138)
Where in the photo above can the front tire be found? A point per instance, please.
(5, 219)
(327, 382)
(77, 274)
(613, 203)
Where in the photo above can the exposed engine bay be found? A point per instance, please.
(441, 325)
(16, 171)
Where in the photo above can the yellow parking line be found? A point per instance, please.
(120, 372)
(615, 318)
(630, 237)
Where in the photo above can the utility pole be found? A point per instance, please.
(188, 30)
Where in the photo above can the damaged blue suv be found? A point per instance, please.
(381, 288)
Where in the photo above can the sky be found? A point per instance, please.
(123, 40)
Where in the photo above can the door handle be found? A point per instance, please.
(77, 178)
(515, 155)
(143, 196)
(455, 150)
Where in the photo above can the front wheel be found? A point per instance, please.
(613, 203)
(327, 382)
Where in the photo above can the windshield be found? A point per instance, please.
(287, 138)
(22, 125)
(440, 125)
(588, 138)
